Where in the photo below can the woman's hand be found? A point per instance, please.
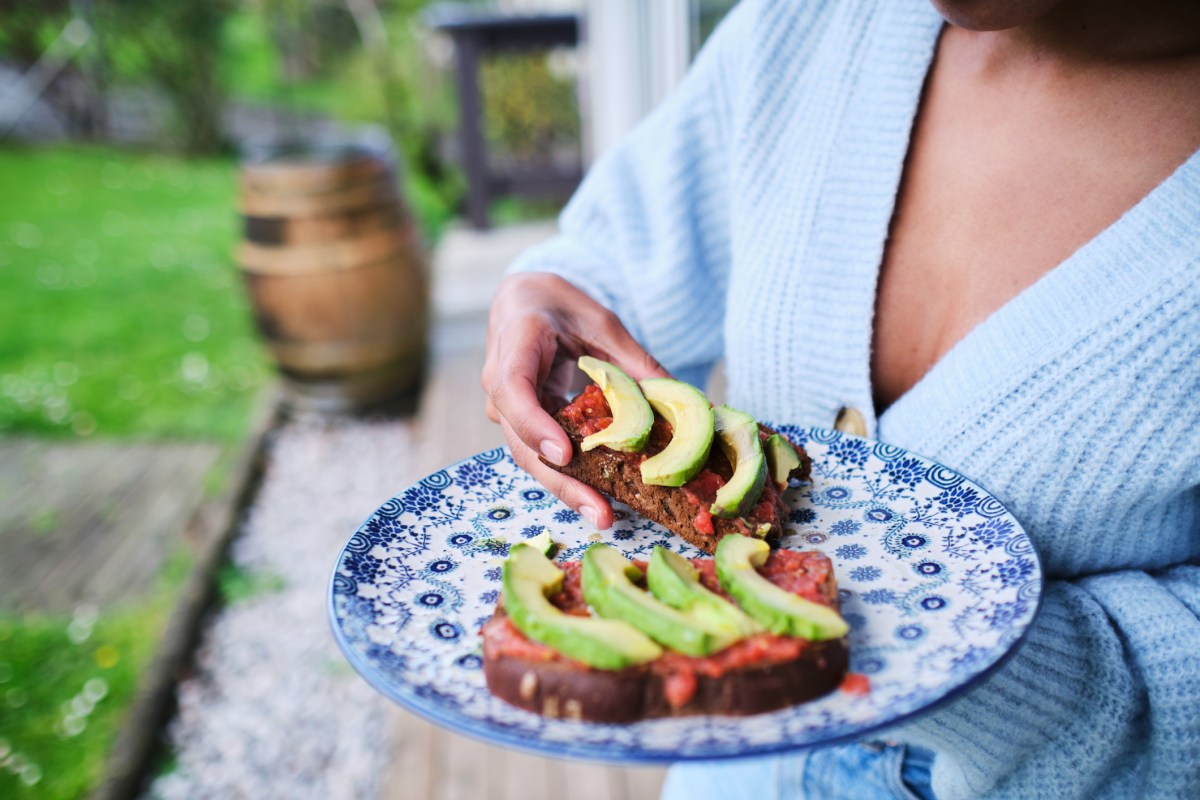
(538, 328)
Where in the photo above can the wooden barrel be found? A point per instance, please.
(337, 277)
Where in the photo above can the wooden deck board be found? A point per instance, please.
(92, 521)
(463, 771)
(643, 783)
(90, 533)
(176, 486)
(413, 765)
(51, 535)
(524, 775)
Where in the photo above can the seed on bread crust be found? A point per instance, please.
(528, 686)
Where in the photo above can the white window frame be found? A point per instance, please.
(634, 53)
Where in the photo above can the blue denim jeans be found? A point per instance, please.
(866, 771)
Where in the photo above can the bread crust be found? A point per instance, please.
(618, 475)
(566, 690)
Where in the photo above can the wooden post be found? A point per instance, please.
(474, 148)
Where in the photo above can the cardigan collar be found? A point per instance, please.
(1146, 245)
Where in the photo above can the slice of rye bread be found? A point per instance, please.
(533, 677)
(618, 475)
(561, 689)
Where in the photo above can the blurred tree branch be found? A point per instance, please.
(373, 32)
(174, 44)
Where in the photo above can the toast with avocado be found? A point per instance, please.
(659, 447)
(606, 639)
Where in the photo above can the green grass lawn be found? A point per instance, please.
(122, 316)
(121, 312)
(65, 684)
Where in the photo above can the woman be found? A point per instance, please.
(977, 225)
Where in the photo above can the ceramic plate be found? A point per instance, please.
(938, 583)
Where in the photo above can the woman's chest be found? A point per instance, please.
(1003, 182)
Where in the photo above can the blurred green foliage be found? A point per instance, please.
(528, 110)
(295, 55)
(307, 57)
(29, 28)
(123, 312)
(175, 45)
(238, 584)
(310, 58)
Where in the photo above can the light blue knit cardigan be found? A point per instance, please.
(746, 218)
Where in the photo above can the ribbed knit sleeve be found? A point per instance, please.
(647, 234)
(1101, 701)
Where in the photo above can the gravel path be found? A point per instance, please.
(274, 710)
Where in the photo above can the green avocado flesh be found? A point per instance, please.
(675, 581)
(779, 610)
(631, 414)
(737, 435)
(542, 543)
(691, 418)
(782, 459)
(609, 588)
(528, 579)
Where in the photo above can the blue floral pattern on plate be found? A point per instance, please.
(938, 582)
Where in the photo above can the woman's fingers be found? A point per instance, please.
(584, 499)
(608, 339)
(538, 325)
(523, 361)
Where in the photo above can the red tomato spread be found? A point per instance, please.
(589, 412)
(702, 491)
(856, 683)
(501, 638)
(805, 574)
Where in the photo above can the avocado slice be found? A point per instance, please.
(675, 581)
(691, 418)
(528, 579)
(779, 610)
(737, 435)
(782, 459)
(632, 416)
(542, 543)
(609, 588)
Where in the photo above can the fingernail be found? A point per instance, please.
(592, 515)
(553, 451)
